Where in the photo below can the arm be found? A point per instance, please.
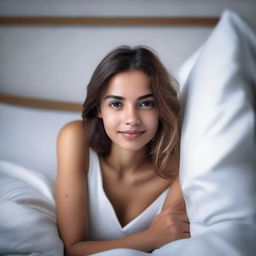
(174, 206)
(142, 241)
(71, 193)
(175, 198)
(165, 227)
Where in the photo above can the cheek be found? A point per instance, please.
(155, 125)
(153, 120)
(109, 120)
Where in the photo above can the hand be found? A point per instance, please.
(171, 224)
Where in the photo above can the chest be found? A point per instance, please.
(118, 211)
(130, 198)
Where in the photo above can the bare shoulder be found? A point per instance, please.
(72, 146)
(72, 132)
(72, 128)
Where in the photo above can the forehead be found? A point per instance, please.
(128, 83)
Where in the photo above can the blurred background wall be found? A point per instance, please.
(56, 62)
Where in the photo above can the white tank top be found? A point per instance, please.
(103, 221)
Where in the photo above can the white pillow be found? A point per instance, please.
(27, 213)
(218, 146)
(28, 136)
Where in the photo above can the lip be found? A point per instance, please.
(131, 134)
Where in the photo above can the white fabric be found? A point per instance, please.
(28, 136)
(27, 213)
(104, 224)
(218, 161)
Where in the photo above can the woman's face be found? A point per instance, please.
(128, 110)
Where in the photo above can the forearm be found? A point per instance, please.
(142, 241)
(175, 198)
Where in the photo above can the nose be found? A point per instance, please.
(132, 116)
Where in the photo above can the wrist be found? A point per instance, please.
(143, 241)
(151, 238)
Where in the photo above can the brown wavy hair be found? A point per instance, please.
(165, 144)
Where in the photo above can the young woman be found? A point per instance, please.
(117, 183)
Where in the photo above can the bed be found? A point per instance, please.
(218, 155)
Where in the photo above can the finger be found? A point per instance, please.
(185, 219)
(185, 235)
(181, 217)
(185, 228)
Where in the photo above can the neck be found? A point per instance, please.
(127, 161)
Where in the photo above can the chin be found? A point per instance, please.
(132, 148)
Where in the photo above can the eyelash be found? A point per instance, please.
(150, 104)
(115, 102)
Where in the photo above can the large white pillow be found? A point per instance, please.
(28, 136)
(218, 146)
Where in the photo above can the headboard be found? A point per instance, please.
(110, 21)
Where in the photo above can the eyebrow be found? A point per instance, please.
(122, 98)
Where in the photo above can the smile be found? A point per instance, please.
(131, 134)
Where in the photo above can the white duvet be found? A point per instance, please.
(218, 159)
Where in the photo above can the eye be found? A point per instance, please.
(115, 104)
(147, 104)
